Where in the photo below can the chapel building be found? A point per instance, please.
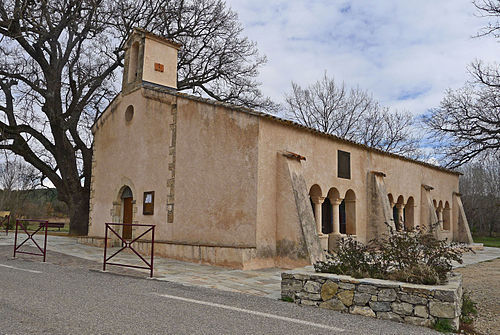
(230, 186)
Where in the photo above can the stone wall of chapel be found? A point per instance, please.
(320, 167)
(131, 153)
(215, 176)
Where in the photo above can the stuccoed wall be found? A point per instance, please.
(420, 305)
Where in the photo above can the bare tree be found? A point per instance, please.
(468, 120)
(352, 114)
(480, 188)
(58, 64)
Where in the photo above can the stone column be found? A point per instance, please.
(336, 215)
(318, 201)
(440, 216)
(401, 219)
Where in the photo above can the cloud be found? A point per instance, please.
(405, 52)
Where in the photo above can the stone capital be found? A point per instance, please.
(336, 202)
(317, 199)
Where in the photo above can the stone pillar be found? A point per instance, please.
(440, 216)
(336, 215)
(401, 219)
(318, 201)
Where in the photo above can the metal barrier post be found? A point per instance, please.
(42, 224)
(126, 244)
(15, 240)
(105, 247)
(152, 250)
(45, 242)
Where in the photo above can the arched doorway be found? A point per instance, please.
(127, 201)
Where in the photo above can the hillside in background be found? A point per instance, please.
(36, 203)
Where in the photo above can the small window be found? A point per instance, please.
(344, 164)
(129, 113)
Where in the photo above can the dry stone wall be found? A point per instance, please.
(420, 305)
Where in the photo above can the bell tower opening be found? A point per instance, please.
(149, 59)
(132, 64)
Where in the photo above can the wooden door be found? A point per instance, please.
(127, 218)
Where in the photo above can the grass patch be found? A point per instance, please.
(443, 326)
(287, 299)
(488, 241)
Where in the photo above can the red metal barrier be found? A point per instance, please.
(43, 224)
(126, 244)
(5, 221)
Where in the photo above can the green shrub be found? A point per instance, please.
(287, 299)
(469, 310)
(409, 256)
(443, 326)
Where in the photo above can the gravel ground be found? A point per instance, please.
(482, 280)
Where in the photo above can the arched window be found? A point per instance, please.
(126, 193)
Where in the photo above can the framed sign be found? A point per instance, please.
(148, 204)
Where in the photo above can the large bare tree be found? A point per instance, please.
(59, 62)
(352, 114)
(468, 119)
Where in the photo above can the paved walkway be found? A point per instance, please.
(265, 283)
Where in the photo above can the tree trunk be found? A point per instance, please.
(79, 214)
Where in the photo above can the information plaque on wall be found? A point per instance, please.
(148, 205)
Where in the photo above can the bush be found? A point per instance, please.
(409, 256)
(443, 326)
(353, 259)
(468, 309)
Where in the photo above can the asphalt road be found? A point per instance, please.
(38, 298)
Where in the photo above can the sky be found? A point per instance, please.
(407, 53)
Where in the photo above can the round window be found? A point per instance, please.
(129, 113)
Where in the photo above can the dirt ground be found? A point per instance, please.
(482, 280)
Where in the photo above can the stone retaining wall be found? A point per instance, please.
(415, 304)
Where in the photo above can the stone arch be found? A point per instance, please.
(447, 216)
(316, 198)
(350, 212)
(333, 194)
(127, 210)
(391, 199)
(133, 62)
(314, 193)
(315, 190)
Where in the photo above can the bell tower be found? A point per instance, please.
(149, 58)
